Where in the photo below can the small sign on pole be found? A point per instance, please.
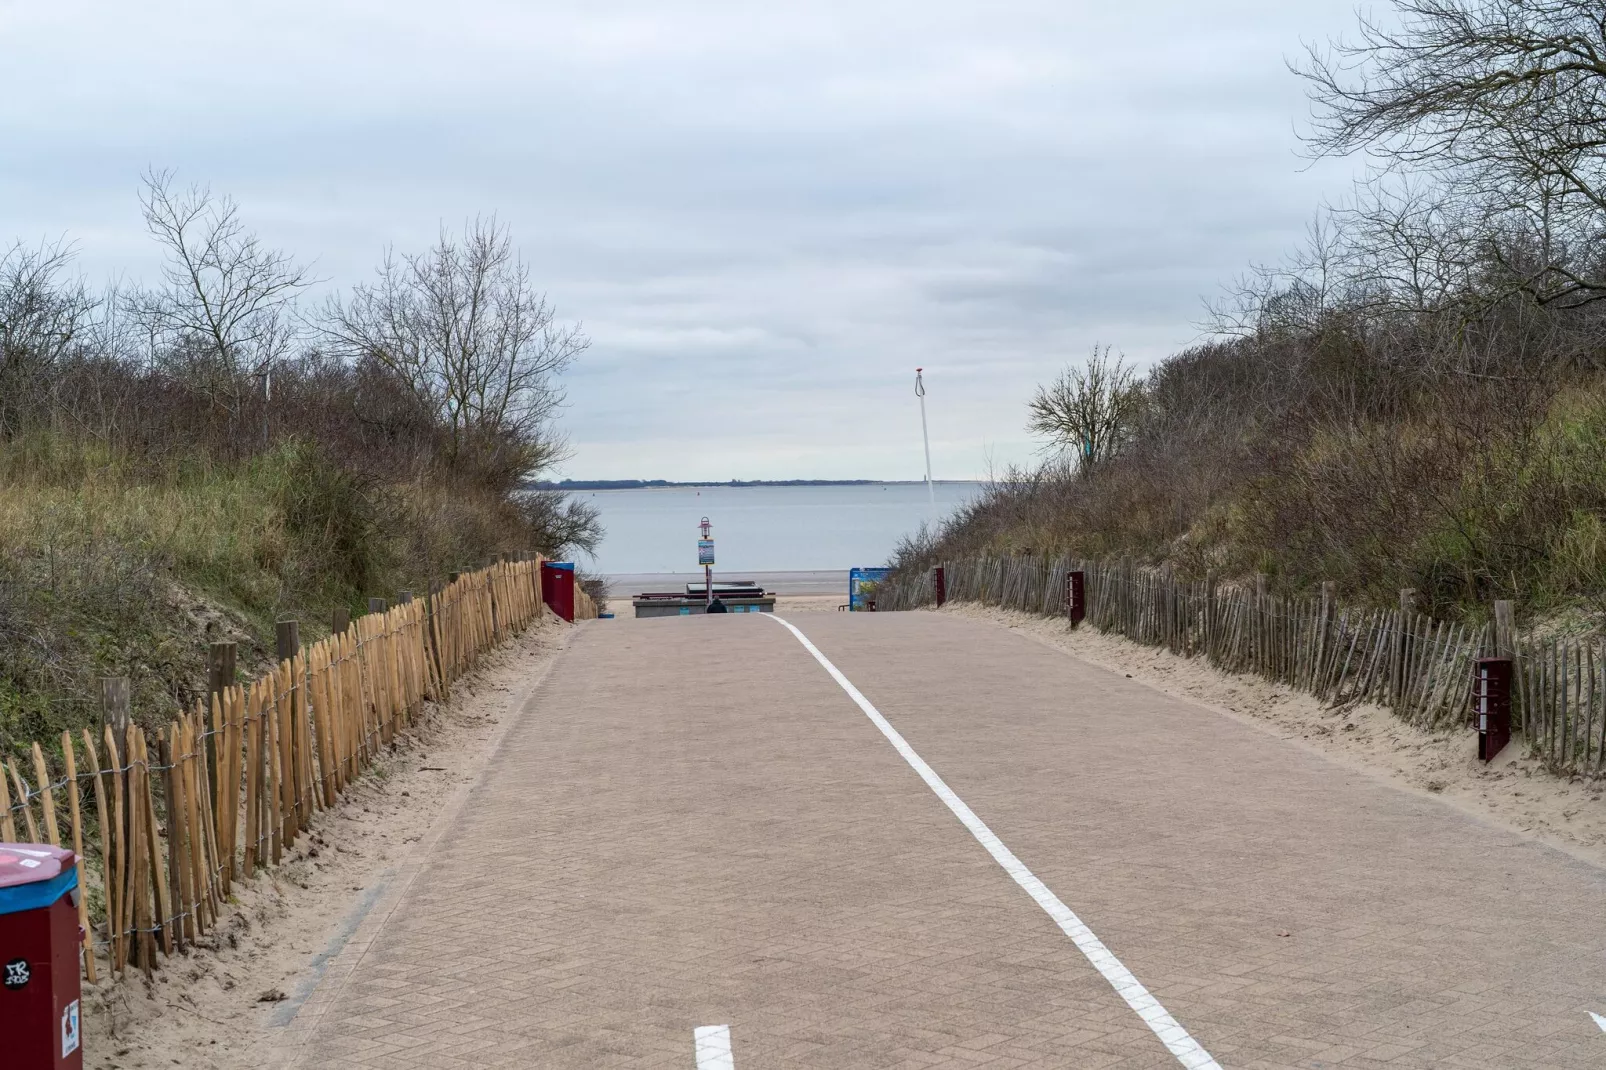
(705, 557)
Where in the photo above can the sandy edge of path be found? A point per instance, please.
(808, 603)
(1513, 791)
(223, 1004)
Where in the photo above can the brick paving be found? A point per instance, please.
(691, 824)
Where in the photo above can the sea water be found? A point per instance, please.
(763, 529)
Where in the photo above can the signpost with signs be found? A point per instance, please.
(705, 557)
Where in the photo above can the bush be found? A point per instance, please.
(194, 460)
(1464, 489)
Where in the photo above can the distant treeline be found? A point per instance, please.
(638, 484)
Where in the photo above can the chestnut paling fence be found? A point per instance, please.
(226, 788)
(1419, 668)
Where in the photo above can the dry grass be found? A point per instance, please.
(110, 567)
(1437, 495)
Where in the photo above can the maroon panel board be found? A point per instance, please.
(1491, 705)
(1076, 596)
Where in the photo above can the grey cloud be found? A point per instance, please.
(777, 213)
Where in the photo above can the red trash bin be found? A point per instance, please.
(557, 587)
(39, 943)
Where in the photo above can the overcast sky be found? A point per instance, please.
(766, 215)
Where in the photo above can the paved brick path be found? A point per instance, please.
(693, 825)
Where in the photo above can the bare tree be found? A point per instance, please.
(43, 313)
(566, 524)
(1502, 101)
(480, 349)
(1293, 297)
(1089, 412)
(1413, 247)
(223, 314)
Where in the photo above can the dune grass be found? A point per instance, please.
(1433, 497)
(112, 566)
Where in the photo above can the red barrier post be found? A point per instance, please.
(1076, 597)
(1491, 705)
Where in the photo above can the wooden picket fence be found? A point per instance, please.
(226, 788)
(1419, 668)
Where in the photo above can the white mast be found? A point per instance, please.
(920, 392)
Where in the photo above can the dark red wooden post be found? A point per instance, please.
(939, 584)
(1076, 597)
(1491, 705)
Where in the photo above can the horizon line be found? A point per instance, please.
(595, 484)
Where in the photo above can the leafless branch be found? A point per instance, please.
(463, 328)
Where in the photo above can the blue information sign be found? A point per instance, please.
(705, 551)
(861, 585)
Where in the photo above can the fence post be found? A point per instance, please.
(404, 598)
(287, 639)
(939, 585)
(1318, 672)
(341, 622)
(1505, 629)
(1503, 640)
(220, 668)
(1261, 646)
(431, 633)
(377, 605)
(220, 672)
(70, 771)
(1401, 652)
(169, 757)
(114, 712)
(287, 635)
(490, 590)
(114, 715)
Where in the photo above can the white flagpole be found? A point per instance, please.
(920, 392)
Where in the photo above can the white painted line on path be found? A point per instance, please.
(713, 1044)
(1177, 1039)
(1599, 1021)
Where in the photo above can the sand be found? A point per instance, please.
(809, 603)
(222, 1004)
(1513, 791)
(623, 586)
